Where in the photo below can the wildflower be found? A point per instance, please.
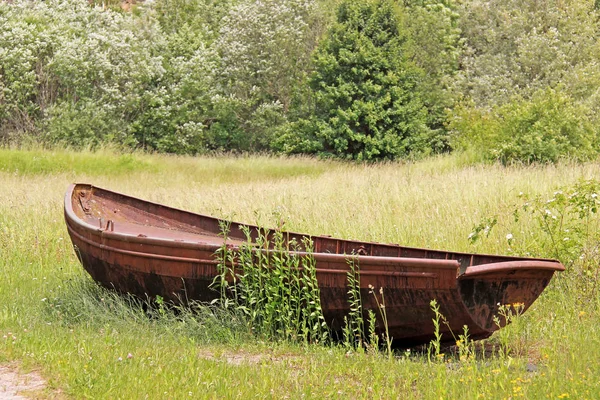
(581, 313)
(120, 359)
(129, 355)
(509, 237)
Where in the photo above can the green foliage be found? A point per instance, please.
(530, 80)
(435, 45)
(519, 47)
(549, 127)
(264, 49)
(365, 80)
(355, 334)
(70, 72)
(366, 107)
(569, 223)
(563, 226)
(273, 287)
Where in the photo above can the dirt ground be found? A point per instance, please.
(17, 385)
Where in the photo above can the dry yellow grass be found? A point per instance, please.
(433, 203)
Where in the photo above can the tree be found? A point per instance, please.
(530, 80)
(365, 89)
(435, 45)
(516, 48)
(264, 49)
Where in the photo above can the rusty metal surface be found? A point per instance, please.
(148, 249)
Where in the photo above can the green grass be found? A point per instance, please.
(79, 336)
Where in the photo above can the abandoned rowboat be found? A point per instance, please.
(147, 249)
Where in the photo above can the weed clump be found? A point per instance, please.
(273, 284)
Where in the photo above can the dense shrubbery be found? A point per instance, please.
(72, 73)
(367, 105)
(545, 128)
(531, 79)
(366, 80)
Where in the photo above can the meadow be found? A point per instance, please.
(89, 343)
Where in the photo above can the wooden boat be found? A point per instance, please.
(148, 249)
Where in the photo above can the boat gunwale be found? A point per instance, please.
(474, 270)
(408, 262)
(506, 266)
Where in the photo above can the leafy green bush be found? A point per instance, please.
(366, 106)
(72, 71)
(264, 51)
(434, 43)
(272, 286)
(549, 127)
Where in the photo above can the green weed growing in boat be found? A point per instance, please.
(564, 226)
(355, 334)
(507, 313)
(383, 313)
(354, 324)
(272, 281)
(435, 345)
(463, 343)
(373, 336)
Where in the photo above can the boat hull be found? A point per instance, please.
(159, 251)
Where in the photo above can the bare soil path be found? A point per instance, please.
(17, 385)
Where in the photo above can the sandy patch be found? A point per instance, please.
(16, 385)
(243, 358)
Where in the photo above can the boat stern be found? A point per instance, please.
(491, 291)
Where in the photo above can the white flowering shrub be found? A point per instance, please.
(434, 43)
(517, 47)
(71, 72)
(265, 48)
(177, 111)
(182, 76)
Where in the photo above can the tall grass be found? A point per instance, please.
(90, 343)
